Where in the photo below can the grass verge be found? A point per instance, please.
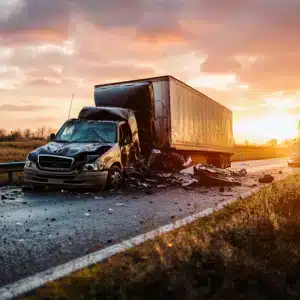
(249, 250)
(16, 151)
(242, 153)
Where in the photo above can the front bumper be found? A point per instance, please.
(67, 180)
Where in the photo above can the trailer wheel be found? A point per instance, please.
(114, 178)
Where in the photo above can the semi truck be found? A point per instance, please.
(131, 119)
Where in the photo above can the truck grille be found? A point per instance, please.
(55, 163)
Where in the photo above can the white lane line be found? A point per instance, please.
(259, 162)
(264, 168)
(30, 283)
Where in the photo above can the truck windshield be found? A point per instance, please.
(83, 131)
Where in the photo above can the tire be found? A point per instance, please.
(114, 178)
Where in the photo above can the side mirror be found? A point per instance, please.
(52, 136)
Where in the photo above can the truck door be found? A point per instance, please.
(125, 143)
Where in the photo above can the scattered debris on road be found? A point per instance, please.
(188, 181)
(165, 169)
(266, 179)
(166, 161)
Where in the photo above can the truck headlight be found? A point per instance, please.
(30, 164)
(94, 166)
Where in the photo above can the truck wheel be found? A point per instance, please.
(114, 178)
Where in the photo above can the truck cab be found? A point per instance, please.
(90, 151)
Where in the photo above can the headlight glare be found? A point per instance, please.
(30, 164)
(94, 166)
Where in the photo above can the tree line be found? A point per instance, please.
(41, 133)
(273, 143)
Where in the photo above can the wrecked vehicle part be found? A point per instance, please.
(189, 171)
(137, 97)
(242, 172)
(213, 176)
(167, 104)
(77, 151)
(166, 161)
(154, 154)
(225, 172)
(266, 179)
(88, 179)
(188, 182)
(114, 178)
(188, 162)
(104, 113)
(211, 180)
(76, 159)
(113, 114)
(195, 175)
(148, 113)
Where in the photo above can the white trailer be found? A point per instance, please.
(183, 118)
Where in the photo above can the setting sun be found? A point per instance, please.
(261, 129)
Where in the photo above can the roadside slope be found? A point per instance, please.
(250, 249)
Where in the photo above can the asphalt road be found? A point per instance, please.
(39, 231)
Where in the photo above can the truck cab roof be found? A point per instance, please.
(105, 113)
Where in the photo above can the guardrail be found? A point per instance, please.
(11, 168)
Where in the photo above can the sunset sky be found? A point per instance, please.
(244, 54)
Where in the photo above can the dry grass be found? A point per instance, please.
(258, 152)
(249, 250)
(16, 151)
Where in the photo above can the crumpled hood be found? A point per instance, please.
(78, 151)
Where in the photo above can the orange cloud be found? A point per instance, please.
(21, 108)
(237, 52)
(33, 36)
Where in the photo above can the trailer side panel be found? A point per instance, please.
(162, 113)
(198, 122)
